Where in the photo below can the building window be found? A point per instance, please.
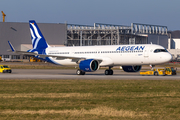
(6, 56)
(15, 57)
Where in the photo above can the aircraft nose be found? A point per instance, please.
(168, 57)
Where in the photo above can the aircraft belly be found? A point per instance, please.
(128, 59)
(106, 61)
(65, 62)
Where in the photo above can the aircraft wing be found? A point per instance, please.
(44, 55)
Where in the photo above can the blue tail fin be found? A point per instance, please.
(38, 41)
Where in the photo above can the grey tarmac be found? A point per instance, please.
(71, 74)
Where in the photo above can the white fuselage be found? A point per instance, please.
(111, 55)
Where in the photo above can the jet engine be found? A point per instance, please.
(131, 68)
(89, 65)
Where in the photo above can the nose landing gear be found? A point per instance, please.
(152, 66)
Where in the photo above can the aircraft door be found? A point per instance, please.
(72, 52)
(98, 52)
(146, 53)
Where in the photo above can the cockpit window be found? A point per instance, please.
(160, 50)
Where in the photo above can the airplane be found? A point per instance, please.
(91, 58)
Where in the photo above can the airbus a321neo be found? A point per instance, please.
(90, 58)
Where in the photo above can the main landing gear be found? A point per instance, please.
(109, 71)
(80, 72)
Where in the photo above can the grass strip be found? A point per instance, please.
(90, 99)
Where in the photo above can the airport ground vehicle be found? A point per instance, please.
(5, 69)
(156, 72)
(33, 59)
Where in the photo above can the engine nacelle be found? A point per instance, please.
(131, 68)
(89, 65)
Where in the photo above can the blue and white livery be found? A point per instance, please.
(90, 58)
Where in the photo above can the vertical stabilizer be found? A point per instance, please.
(38, 40)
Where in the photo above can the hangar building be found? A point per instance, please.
(19, 35)
(79, 35)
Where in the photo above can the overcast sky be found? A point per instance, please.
(88, 12)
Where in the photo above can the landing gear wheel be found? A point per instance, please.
(80, 72)
(156, 73)
(108, 72)
(83, 73)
